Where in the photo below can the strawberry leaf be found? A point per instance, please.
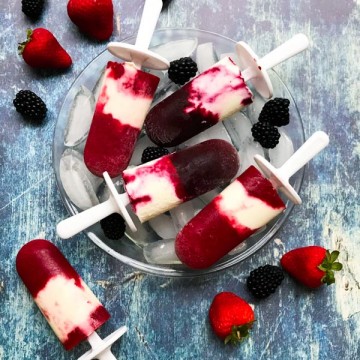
(336, 266)
(21, 46)
(334, 255)
(329, 266)
(238, 333)
(328, 278)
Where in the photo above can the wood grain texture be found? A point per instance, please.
(168, 318)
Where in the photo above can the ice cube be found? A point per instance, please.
(78, 182)
(141, 236)
(259, 231)
(205, 56)
(183, 213)
(209, 196)
(80, 117)
(233, 57)
(238, 126)
(217, 131)
(164, 92)
(283, 150)
(238, 249)
(158, 73)
(174, 50)
(161, 252)
(98, 85)
(253, 111)
(103, 193)
(247, 154)
(163, 225)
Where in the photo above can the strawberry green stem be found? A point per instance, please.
(238, 333)
(21, 46)
(329, 265)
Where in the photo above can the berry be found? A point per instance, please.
(166, 3)
(30, 105)
(182, 70)
(32, 8)
(94, 18)
(264, 280)
(276, 112)
(152, 153)
(231, 317)
(113, 226)
(42, 50)
(312, 266)
(267, 135)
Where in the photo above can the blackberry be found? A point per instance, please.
(276, 112)
(264, 280)
(29, 105)
(182, 70)
(267, 135)
(152, 153)
(165, 4)
(32, 8)
(113, 226)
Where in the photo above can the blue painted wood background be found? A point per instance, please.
(168, 318)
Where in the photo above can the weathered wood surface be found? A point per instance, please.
(168, 318)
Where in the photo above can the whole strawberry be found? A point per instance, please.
(42, 50)
(92, 17)
(231, 317)
(312, 266)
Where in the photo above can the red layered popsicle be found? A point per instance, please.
(123, 103)
(69, 306)
(206, 100)
(246, 205)
(161, 184)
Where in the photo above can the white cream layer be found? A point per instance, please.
(245, 210)
(155, 185)
(67, 306)
(120, 101)
(217, 91)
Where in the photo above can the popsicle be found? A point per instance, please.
(125, 97)
(160, 185)
(69, 306)
(123, 103)
(243, 207)
(246, 205)
(215, 94)
(207, 99)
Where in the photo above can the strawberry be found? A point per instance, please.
(231, 317)
(92, 17)
(312, 266)
(42, 50)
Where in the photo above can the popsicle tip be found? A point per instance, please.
(59, 231)
(301, 37)
(322, 136)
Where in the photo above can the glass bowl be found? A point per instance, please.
(175, 43)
